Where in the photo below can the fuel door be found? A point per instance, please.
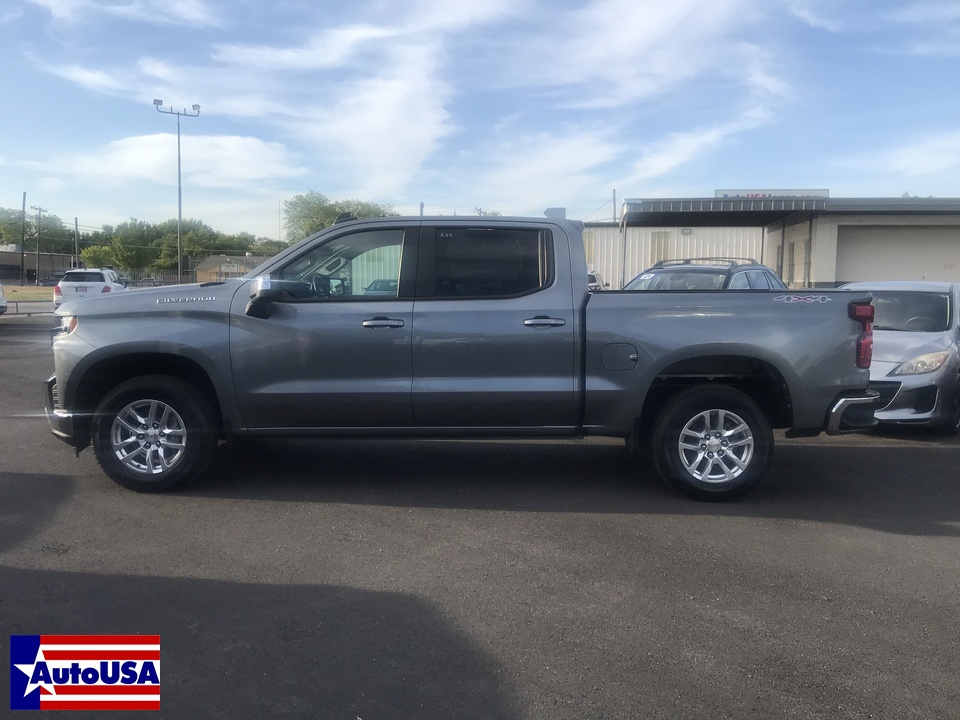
(619, 357)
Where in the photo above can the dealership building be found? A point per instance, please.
(809, 238)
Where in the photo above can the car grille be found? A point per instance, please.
(55, 396)
(887, 390)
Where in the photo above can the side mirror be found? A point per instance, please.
(261, 300)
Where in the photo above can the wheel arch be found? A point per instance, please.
(102, 375)
(759, 378)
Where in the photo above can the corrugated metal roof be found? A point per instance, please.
(760, 212)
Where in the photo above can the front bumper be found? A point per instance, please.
(916, 399)
(63, 424)
(852, 412)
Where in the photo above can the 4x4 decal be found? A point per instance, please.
(790, 299)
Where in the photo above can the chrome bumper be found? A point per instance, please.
(853, 412)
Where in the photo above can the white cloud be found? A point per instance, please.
(10, 14)
(928, 156)
(540, 170)
(680, 148)
(210, 161)
(820, 14)
(615, 52)
(178, 12)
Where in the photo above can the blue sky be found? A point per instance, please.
(509, 105)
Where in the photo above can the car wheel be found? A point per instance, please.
(952, 426)
(712, 443)
(154, 433)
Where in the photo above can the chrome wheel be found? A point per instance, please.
(148, 437)
(716, 446)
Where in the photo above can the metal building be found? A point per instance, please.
(809, 241)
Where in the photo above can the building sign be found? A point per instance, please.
(773, 194)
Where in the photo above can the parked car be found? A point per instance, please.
(916, 353)
(384, 286)
(3, 301)
(711, 273)
(78, 284)
(595, 283)
(51, 281)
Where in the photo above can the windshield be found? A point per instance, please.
(911, 311)
(677, 280)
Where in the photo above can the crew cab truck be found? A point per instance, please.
(490, 331)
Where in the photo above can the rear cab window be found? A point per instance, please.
(484, 262)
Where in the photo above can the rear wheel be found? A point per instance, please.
(712, 443)
(154, 433)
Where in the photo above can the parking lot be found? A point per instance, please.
(478, 579)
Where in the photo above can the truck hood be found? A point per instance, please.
(206, 297)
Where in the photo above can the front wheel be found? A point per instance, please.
(712, 443)
(952, 426)
(153, 433)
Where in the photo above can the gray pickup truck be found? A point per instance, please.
(455, 327)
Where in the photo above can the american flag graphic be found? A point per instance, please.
(84, 672)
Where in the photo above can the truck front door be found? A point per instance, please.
(335, 349)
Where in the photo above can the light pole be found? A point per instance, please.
(196, 111)
(40, 211)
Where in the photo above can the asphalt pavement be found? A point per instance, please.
(457, 579)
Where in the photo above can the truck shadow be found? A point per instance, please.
(245, 650)
(898, 489)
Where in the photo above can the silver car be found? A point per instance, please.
(916, 352)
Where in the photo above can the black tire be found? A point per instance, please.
(952, 426)
(178, 438)
(712, 443)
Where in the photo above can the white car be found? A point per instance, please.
(78, 284)
(3, 301)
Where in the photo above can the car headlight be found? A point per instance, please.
(922, 364)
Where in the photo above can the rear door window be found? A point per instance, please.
(485, 262)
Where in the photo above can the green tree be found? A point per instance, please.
(96, 256)
(10, 226)
(134, 244)
(308, 213)
(487, 213)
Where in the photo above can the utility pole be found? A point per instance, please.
(40, 212)
(76, 243)
(23, 241)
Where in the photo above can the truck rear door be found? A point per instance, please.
(494, 328)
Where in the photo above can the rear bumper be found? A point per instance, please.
(853, 412)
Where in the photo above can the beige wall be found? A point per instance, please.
(618, 262)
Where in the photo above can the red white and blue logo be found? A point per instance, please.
(84, 672)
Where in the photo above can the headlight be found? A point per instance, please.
(922, 364)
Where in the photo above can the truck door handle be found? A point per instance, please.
(542, 321)
(382, 322)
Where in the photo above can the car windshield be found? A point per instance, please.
(911, 311)
(677, 280)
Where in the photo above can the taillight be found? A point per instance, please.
(106, 288)
(56, 291)
(863, 314)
